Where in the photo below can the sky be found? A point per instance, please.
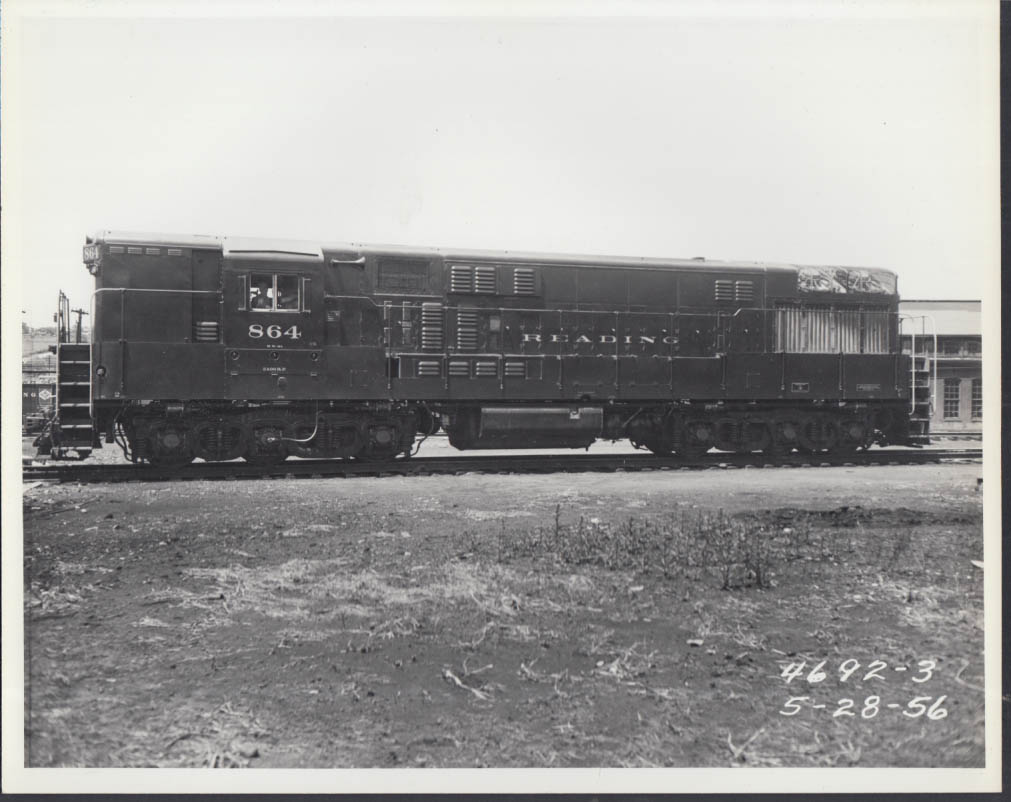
(839, 133)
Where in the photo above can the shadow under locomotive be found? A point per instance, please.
(221, 348)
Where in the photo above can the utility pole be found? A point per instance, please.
(80, 313)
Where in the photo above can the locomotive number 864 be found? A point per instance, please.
(221, 348)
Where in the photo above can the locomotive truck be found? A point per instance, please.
(219, 348)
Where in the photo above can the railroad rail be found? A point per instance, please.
(512, 463)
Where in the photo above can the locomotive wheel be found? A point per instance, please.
(219, 440)
(818, 434)
(727, 434)
(787, 435)
(776, 449)
(853, 434)
(330, 439)
(692, 449)
(264, 445)
(378, 453)
(755, 436)
(339, 441)
(382, 443)
(169, 445)
(659, 448)
(696, 439)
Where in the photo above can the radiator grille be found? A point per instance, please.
(459, 369)
(428, 368)
(466, 330)
(461, 278)
(431, 327)
(877, 333)
(485, 368)
(848, 324)
(826, 331)
(484, 280)
(523, 281)
(515, 370)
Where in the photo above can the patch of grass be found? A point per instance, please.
(680, 545)
(735, 551)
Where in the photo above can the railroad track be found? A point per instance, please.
(427, 466)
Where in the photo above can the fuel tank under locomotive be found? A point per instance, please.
(525, 427)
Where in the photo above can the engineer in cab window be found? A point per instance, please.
(260, 298)
(287, 292)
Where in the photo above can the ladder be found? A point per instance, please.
(922, 380)
(73, 430)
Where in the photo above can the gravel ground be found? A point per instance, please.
(626, 619)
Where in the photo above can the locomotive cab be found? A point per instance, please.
(273, 340)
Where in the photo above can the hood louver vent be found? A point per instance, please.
(484, 280)
(523, 281)
(431, 327)
(461, 278)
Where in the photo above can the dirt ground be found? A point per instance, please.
(509, 620)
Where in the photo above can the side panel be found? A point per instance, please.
(876, 376)
(355, 372)
(152, 371)
(747, 376)
(697, 377)
(143, 294)
(274, 374)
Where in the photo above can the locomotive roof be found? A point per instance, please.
(242, 246)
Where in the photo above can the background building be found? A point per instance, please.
(958, 396)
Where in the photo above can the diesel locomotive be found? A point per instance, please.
(220, 348)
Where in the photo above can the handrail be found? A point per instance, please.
(63, 318)
(146, 289)
(929, 357)
(933, 364)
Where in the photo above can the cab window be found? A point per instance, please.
(270, 292)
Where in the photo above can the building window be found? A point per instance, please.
(952, 388)
(977, 398)
(270, 292)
